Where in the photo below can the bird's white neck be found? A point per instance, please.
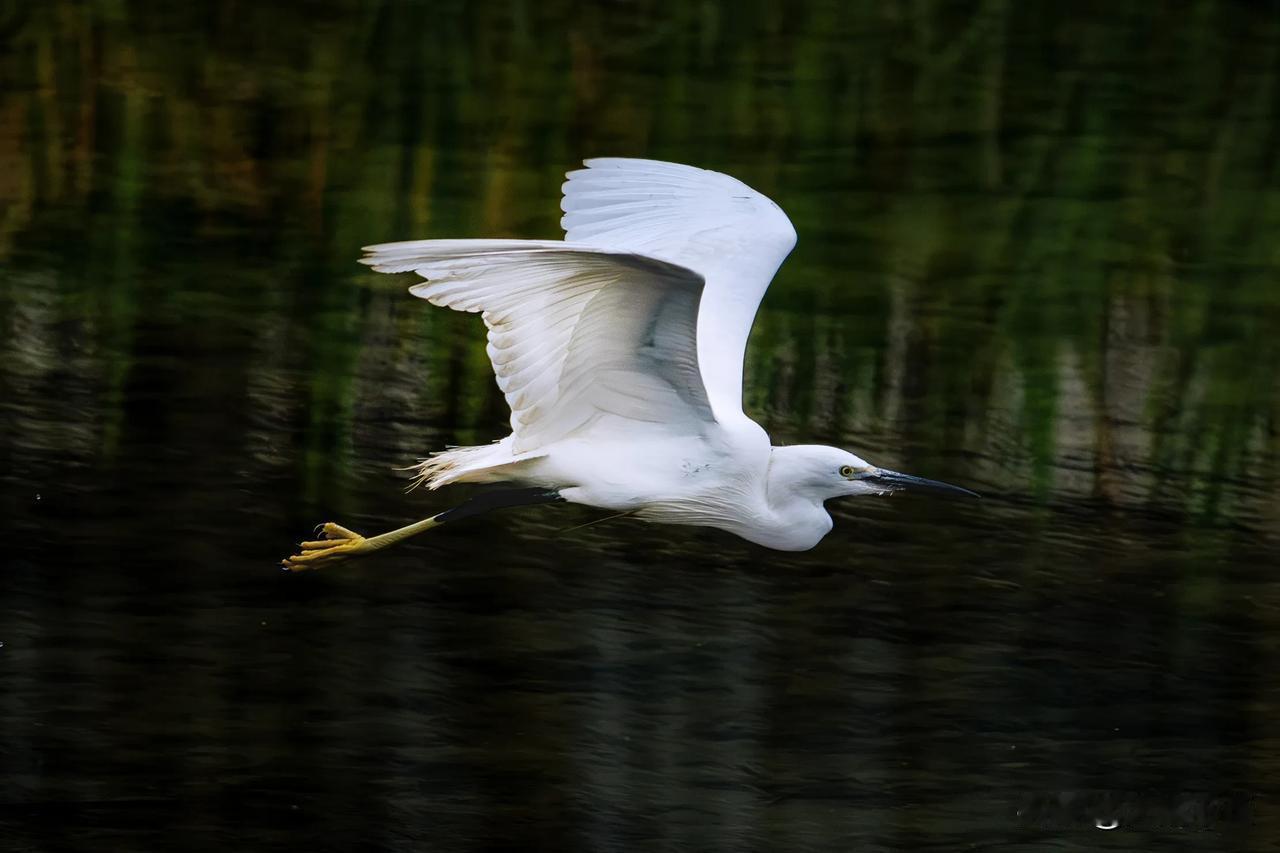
(794, 475)
(795, 498)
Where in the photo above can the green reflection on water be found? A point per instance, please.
(1037, 252)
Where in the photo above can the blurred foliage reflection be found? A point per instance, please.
(1039, 246)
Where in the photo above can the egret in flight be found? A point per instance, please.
(620, 351)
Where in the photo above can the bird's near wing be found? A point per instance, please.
(575, 332)
(711, 223)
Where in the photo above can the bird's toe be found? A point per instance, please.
(339, 544)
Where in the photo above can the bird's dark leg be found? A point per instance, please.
(499, 499)
(337, 543)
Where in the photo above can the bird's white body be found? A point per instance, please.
(620, 351)
(731, 479)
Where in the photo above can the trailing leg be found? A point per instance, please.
(337, 543)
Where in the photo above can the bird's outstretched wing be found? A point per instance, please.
(575, 332)
(731, 235)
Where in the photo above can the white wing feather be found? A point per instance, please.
(711, 223)
(575, 332)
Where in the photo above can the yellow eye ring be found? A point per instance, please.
(846, 471)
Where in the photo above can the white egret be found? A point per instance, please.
(620, 352)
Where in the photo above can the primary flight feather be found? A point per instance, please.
(619, 350)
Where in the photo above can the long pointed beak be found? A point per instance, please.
(894, 481)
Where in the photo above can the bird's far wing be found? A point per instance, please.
(711, 223)
(574, 331)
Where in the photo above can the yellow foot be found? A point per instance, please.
(336, 544)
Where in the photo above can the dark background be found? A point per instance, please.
(1038, 256)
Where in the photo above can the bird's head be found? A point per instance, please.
(821, 473)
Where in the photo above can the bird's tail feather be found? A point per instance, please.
(487, 463)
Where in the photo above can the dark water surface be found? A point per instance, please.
(1039, 256)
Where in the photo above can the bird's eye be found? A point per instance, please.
(846, 471)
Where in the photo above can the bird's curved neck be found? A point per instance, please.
(789, 481)
(799, 518)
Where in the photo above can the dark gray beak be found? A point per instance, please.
(893, 481)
